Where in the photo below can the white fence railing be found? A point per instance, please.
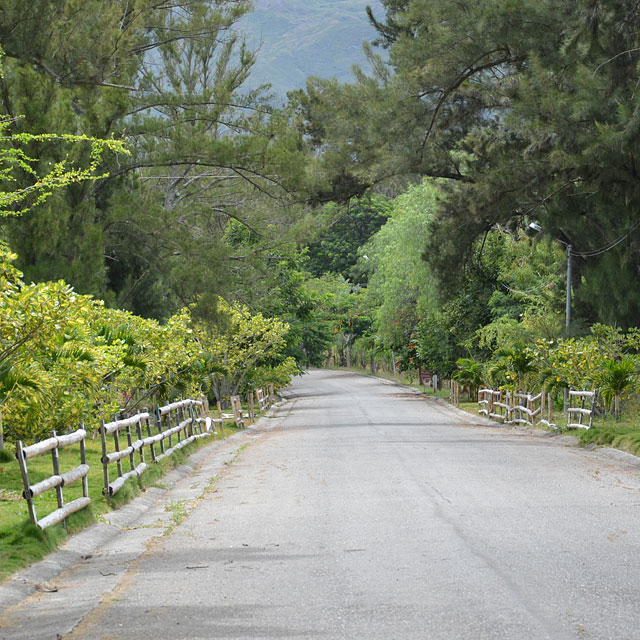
(576, 415)
(133, 441)
(525, 408)
(177, 425)
(56, 481)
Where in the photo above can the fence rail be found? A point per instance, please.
(524, 408)
(581, 412)
(58, 480)
(168, 429)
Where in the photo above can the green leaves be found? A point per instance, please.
(469, 373)
(616, 379)
(242, 344)
(66, 359)
(526, 110)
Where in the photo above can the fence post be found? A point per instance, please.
(220, 416)
(25, 481)
(152, 446)
(158, 419)
(192, 423)
(83, 460)
(116, 441)
(250, 407)
(132, 455)
(105, 464)
(140, 437)
(593, 404)
(55, 459)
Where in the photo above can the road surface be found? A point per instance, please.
(363, 510)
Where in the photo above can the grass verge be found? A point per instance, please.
(22, 543)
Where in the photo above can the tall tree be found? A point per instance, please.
(349, 227)
(529, 112)
(168, 77)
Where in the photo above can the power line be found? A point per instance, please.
(526, 293)
(611, 245)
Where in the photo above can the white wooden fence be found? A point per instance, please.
(58, 480)
(135, 441)
(177, 425)
(262, 396)
(582, 412)
(524, 408)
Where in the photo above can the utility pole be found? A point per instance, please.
(568, 307)
(568, 314)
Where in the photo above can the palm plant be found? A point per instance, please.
(469, 374)
(517, 362)
(615, 379)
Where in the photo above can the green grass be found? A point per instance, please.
(22, 543)
(623, 434)
(178, 513)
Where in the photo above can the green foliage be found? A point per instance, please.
(527, 111)
(469, 374)
(244, 345)
(295, 300)
(146, 232)
(513, 367)
(347, 312)
(14, 160)
(66, 359)
(400, 284)
(615, 379)
(349, 228)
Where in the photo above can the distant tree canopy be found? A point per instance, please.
(348, 228)
(167, 78)
(527, 111)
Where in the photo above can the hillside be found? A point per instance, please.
(299, 38)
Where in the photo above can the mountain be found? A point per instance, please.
(300, 38)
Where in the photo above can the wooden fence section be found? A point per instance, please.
(262, 398)
(501, 406)
(176, 425)
(171, 428)
(454, 393)
(485, 401)
(58, 480)
(123, 427)
(238, 415)
(524, 408)
(188, 423)
(581, 412)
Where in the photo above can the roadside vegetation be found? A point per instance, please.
(22, 543)
(167, 231)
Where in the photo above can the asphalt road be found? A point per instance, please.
(364, 511)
